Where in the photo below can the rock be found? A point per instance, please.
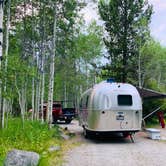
(65, 137)
(66, 128)
(54, 148)
(21, 158)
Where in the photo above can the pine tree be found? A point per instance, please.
(126, 23)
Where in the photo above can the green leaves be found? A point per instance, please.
(153, 57)
(126, 23)
(34, 137)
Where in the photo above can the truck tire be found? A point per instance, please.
(87, 134)
(55, 120)
(67, 121)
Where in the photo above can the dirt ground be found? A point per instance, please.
(116, 152)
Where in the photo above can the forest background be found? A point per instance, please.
(50, 53)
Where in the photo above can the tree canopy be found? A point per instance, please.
(46, 44)
(126, 24)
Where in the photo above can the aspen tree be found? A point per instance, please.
(1, 53)
(5, 101)
(52, 63)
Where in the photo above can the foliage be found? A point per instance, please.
(74, 70)
(126, 24)
(79, 49)
(31, 49)
(34, 137)
(153, 65)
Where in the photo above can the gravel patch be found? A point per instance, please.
(116, 152)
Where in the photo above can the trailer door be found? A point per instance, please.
(125, 115)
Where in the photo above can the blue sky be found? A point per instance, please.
(158, 23)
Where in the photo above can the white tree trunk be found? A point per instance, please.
(33, 98)
(139, 71)
(22, 100)
(33, 59)
(9, 108)
(1, 52)
(33, 86)
(42, 96)
(5, 102)
(37, 106)
(42, 64)
(87, 75)
(1, 29)
(37, 97)
(159, 79)
(42, 81)
(51, 80)
(65, 95)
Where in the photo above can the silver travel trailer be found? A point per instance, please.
(111, 107)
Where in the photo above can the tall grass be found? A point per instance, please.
(33, 137)
(152, 122)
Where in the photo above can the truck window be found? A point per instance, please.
(125, 100)
(57, 105)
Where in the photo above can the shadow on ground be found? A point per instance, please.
(109, 138)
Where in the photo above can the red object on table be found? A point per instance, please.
(161, 119)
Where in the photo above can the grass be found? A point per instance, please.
(152, 123)
(33, 137)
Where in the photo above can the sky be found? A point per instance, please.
(158, 23)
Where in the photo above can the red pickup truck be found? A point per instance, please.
(63, 111)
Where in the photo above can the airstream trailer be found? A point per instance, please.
(111, 107)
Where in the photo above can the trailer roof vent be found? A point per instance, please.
(110, 80)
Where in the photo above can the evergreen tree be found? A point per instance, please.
(126, 23)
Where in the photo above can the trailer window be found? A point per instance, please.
(125, 100)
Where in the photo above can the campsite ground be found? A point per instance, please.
(115, 152)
